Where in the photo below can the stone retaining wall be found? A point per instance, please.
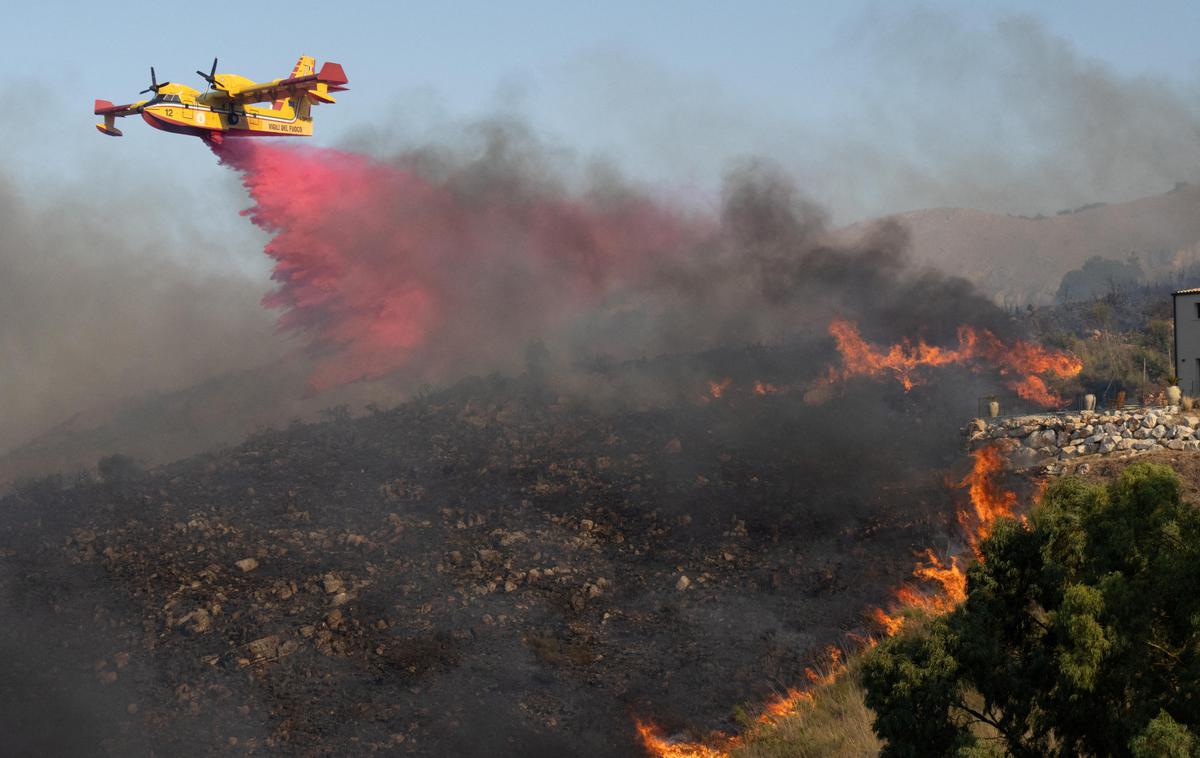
(1039, 440)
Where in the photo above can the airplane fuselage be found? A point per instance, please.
(196, 117)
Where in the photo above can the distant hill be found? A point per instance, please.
(1020, 260)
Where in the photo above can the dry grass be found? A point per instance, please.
(836, 723)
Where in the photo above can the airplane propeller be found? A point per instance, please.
(211, 77)
(154, 85)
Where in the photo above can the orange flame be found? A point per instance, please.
(789, 702)
(726, 388)
(989, 500)
(949, 589)
(783, 705)
(716, 389)
(718, 745)
(661, 747)
(936, 587)
(1020, 361)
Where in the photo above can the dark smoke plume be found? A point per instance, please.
(107, 297)
(437, 268)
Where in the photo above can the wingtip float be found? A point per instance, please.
(228, 107)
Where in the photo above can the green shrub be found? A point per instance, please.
(1080, 634)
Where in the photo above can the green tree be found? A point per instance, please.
(1164, 737)
(1080, 634)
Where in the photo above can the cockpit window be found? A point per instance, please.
(171, 98)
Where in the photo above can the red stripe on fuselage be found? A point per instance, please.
(171, 126)
(260, 133)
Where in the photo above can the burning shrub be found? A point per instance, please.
(1020, 362)
(1077, 636)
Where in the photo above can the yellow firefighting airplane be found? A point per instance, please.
(225, 109)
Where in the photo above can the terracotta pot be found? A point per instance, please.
(1121, 399)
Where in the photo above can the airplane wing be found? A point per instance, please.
(331, 78)
(112, 112)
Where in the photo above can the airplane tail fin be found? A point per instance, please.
(331, 78)
(304, 67)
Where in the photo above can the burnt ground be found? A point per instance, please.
(488, 570)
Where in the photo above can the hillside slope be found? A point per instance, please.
(490, 570)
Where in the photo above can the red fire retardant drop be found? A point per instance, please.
(384, 270)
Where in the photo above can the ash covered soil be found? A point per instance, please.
(493, 569)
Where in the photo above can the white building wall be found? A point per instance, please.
(1187, 342)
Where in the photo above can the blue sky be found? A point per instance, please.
(669, 91)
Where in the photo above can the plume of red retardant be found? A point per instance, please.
(382, 269)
